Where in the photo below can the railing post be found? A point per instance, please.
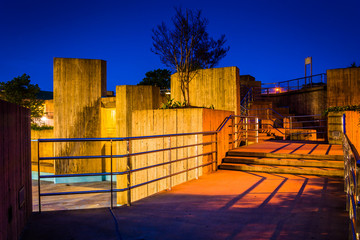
(129, 168)
(216, 151)
(38, 158)
(298, 83)
(246, 131)
(197, 158)
(256, 130)
(111, 174)
(357, 199)
(170, 183)
(290, 127)
(232, 132)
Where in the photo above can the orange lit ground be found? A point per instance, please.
(223, 205)
(291, 147)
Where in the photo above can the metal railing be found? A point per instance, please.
(212, 152)
(352, 188)
(294, 84)
(306, 127)
(245, 129)
(172, 158)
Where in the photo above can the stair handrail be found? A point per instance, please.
(351, 182)
(261, 109)
(248, 97)
(243, 111)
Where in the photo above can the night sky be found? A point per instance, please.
(268, 39)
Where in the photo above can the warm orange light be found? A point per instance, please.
(277, 90)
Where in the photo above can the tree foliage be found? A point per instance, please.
(21, 92)
(159, 78)
(353, 65)
(187, 46)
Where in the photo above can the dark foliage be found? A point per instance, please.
(159, 78)
(21, 92)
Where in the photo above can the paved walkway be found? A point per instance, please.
(222, 205)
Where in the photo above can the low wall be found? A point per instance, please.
(172, 121)
(15, 170)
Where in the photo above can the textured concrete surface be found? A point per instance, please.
(222, 205)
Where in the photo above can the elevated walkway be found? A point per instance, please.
(311, 158)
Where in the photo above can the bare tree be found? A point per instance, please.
(187, 47)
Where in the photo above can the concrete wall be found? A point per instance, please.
(352, 123)
(49, 112)
(247, 82)
(219, 87)
(15, 170)
(309, 101)
(131, 98)
(128, 99)
(335, 127)
(171, 121)
(46, 150)
(79, 85)
(343, 87)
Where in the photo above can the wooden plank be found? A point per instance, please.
(12, 169)
(2, 171)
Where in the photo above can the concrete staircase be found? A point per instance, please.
(322, 165)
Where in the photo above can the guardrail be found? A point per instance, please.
(244, 129)
(294, 84)
(307, 127)
(129, 154)
(352, 188)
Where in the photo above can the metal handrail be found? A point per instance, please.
(296, 79)
(297, 86)
(249, 96)
(128, 156)
(120, 139)
(251, 124)
(351, 186)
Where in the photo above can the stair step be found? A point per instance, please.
(286, 155)
(333, 172)
(285, 162)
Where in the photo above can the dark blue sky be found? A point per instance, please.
(268, 39)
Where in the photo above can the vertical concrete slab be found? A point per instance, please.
(128, 99)
(79, 85)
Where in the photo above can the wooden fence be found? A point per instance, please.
(15, 170)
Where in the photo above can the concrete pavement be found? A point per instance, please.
(222, 205)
